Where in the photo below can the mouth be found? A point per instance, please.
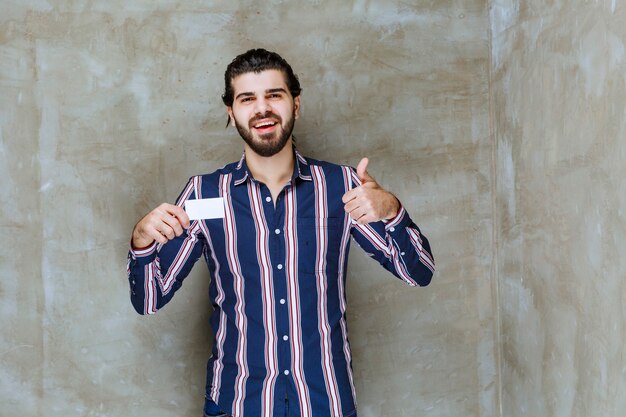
(265, 125)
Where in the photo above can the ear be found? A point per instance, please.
(229, 109)
(296, 107)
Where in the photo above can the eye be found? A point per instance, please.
(247, 99)
(275, 95)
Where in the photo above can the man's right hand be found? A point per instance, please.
(162, 224)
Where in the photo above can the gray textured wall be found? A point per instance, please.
(559, 109)
(106, 108)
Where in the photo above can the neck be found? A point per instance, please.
(275, 170)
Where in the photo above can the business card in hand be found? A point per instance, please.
(205, 208)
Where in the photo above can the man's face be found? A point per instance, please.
(263, 110)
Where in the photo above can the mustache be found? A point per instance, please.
(266, 115)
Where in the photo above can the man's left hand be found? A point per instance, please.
(369, 202)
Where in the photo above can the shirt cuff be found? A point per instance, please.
(142, 252)
(401, 219)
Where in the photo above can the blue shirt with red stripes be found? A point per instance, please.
(278, 272)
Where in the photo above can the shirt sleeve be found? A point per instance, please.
(397, 244)
(155, 273)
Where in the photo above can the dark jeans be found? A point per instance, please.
(213, 410)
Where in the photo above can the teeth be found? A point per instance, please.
(265, 124)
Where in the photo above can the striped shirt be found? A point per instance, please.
(278, 272)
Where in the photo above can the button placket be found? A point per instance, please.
(274, 209)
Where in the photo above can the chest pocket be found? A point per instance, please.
(319, 244)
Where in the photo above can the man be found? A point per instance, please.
(277, 258)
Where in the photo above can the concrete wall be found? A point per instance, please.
(108, 107)
(559, 110)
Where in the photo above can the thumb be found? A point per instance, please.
(361, 171)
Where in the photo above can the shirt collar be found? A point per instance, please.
(301, 169)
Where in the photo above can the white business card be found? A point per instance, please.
(205, 208)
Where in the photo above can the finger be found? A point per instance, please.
(350, 195)
(357, 213)
(174, 223)
(363, 216)
(361, 168)
(351, 206)
(157, 228)
(166, 231)
(182, 216)
(156, 235)
(361, 171)
(184, 219)
(365, 219)
(179, 213)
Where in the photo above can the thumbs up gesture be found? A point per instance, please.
(361, 171)
(369, 202)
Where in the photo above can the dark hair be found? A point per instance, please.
(258, 60)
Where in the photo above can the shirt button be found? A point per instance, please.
(279, 266)
(282, 301)
(402, 253)
(286, 372)
(277, 231)
(285, 338)
(268, 199)
(392, 229)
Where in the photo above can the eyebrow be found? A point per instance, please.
(276, 90)
(271, 90)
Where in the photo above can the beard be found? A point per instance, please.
(268, 144)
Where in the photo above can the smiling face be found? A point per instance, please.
(263, 111)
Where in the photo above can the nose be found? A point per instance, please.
(262, 106)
